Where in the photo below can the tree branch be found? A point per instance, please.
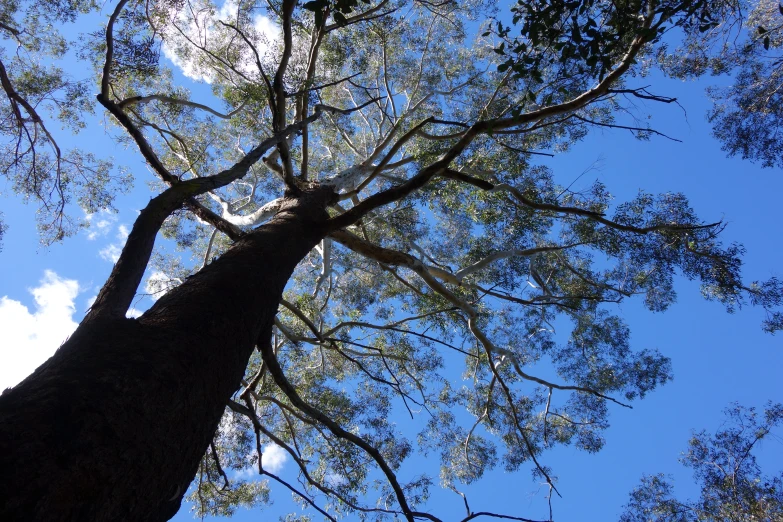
(287, 388)
(478, 265)
(491, 187)
(176, 101)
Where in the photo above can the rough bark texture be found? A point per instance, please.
(113, 426)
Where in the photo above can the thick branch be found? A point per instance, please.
(115, 297)
(117, 293)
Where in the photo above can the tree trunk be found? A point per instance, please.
(113, 426)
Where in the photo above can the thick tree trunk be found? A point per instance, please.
(113, 426)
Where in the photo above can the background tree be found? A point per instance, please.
(732, 485)
(745, 41)
(371, 171)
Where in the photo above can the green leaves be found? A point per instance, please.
(588, 37)
(365, 336)
(725, 468)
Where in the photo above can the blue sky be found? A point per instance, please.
(717, 358)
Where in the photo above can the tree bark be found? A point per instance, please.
(114, 424)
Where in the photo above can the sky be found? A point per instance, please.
(717, 358)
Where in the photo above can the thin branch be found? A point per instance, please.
(644, 94)
(306, 320)
(320, 87)
(134, 100)
(288, 389)
(369, 14)
(496, 515)
(215, 457)
(478, 265)
(625, 127)
(208, 252)
(491, 187)
(438, 167)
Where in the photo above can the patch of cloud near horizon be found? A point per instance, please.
(30, 338)
(204, 28)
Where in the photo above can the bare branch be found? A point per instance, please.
(496, 515)
(137, 100)
(321, 86)
(438, 167)
(625, 127)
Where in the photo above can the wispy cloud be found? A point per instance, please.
(112, 251)
(203, 28)
(29, 338)
(99, 224)
(335, 479)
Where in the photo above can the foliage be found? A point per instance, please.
(747, 114)
(37, 88)
(733, 487)
(452, 251)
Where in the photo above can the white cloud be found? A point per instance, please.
(204, 28)
(273, 458)
(186, 65)
(101, 225)
(246, 474)
(31, 338)
(111, 252)
(335, 479)
(158, 283)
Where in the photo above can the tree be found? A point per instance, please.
(732, 485)
(747, 115)
(375, 178)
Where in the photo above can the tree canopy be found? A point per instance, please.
(732, 484)
(447, 248)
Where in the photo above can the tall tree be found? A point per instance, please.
(367, 219)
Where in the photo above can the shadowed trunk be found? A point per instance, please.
(114, 425)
